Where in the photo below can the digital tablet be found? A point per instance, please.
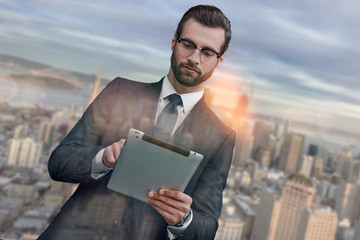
(147, 163)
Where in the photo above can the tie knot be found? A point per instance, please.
(175, 98)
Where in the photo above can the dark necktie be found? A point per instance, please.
(167, 118)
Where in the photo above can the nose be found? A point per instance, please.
(195, 56)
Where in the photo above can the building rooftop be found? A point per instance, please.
(25, 222)
(10, 202)
(301, 179)
(249, 211)
(4, 180)
(230, 212)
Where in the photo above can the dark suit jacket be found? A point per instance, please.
(95, 212)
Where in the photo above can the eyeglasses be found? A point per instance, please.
(187, 48)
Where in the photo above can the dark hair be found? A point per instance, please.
(209, 16)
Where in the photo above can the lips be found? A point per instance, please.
(190, 69)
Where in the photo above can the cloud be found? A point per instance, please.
(300, 57)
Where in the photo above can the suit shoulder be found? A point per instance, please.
(126, 82)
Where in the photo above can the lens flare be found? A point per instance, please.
(8, 88)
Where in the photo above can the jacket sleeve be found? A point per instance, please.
(207, 194)
(71, 161)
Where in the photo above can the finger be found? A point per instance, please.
(175, 194)
(171, 215)
(116, 149)
(167, 201)
(112, 153)
(170, 218)
(122, 143)
(108, 157)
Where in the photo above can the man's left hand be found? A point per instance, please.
(173, 205)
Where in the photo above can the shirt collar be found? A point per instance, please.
(189, 100)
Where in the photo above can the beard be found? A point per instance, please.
(186, 78)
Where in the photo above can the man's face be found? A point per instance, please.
(192, 70)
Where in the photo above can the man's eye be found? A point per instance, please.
(208, 53)
(188, 45)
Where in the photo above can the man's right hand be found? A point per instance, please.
(112, 152)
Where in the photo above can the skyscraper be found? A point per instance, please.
(278, 218)
(231, 225)
(267, 215)
(317, 169)
(286, 128)
(21, 131)
(261, 135)
(45, 133)
(347, 201)
(262, 156)
(243, 144)
(24, 153)
(313, 150)
(306, 165)
(290, 152)
(297, 196)
(96, 88)
(319, 224)
(240, 110)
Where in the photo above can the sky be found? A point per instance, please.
(297, 60)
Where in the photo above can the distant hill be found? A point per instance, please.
(45, 81)
(44, 74)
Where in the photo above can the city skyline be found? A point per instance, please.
(298, 57)
(246, 208)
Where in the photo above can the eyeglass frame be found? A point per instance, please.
(179, 40)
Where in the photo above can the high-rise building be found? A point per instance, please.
(317, 169)
(262, 156)
(286, 128)
(275, 152)
(297, 195)
(324, 154)
(261, 133)
(247, 213)
(278, 218)
(354, 174)
(240, 110)
(267, 215)
(24, 153)
(313, 150)
(347, 200)
(357, 230)
(45, 133)
(318, 224)
(96, 88)
(290, 152)
(276, 130)
(243, 144)
(343, 162)
(231, 224)
(306, 165)
(21, 131)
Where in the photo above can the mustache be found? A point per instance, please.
(191, 66)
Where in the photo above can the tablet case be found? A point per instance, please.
(147, 163)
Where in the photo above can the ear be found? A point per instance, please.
(220, 60)
(173, 41)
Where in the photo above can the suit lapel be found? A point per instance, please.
(190, 134)
(147, 100)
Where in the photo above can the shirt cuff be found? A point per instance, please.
(176, 232)
(98, 169)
